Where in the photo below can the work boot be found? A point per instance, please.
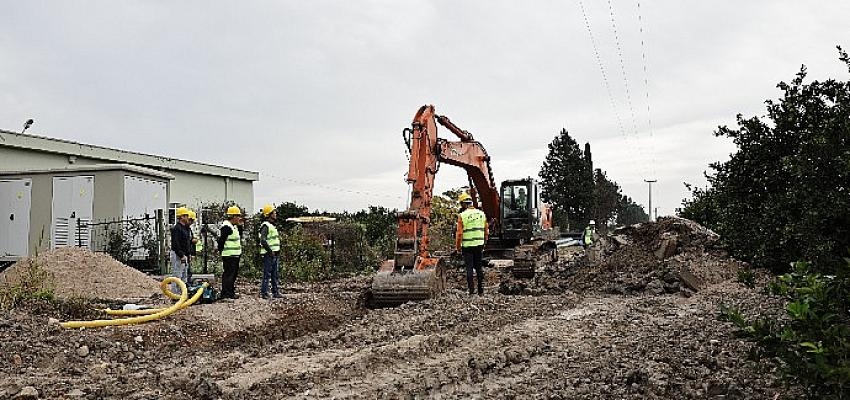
(264, 296)
(278, 296)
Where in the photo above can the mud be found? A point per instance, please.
(579, 339)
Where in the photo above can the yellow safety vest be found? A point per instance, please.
(233, 244)
(273, 238)
(474, 221)
(199, 245)
(588, 236)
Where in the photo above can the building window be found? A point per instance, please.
(172, 212)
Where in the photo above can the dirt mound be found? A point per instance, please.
(78, 272)
(668, 256)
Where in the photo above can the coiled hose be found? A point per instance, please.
(147, 314)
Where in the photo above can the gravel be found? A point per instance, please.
(77, 272)
(577, 338)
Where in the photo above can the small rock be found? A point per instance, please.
(28, 392)
(76, 393)
(52, 321)
(138, 339)
(83, 351)
(17, 360)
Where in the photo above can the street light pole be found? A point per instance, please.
(650, 182)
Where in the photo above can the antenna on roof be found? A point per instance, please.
(27, 125)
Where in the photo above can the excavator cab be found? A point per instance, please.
(522, 211)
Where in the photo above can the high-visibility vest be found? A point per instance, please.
(272, 238)
(588, 236)
(233, 243)
(199, 245)
(474, 221)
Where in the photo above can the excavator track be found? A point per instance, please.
(528, 258)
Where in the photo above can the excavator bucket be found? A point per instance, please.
(391, 288)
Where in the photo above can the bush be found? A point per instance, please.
(813, 342)
(32, 282)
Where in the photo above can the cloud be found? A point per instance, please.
(319, 91)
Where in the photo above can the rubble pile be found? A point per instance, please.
(673, 255)
(78, 272)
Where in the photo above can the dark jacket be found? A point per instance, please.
(181, 240)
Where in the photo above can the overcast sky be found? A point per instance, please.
(314, 94)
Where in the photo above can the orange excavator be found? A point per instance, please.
(516, 218)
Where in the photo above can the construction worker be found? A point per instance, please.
(230, 248)
(180, 247)
(196, 245)
(472, 232)
(270, 250)
(587, 238)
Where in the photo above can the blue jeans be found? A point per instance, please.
(180, 270)
(271, 272)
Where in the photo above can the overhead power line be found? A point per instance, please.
(646, 85)
(602, 69)
(626, 86)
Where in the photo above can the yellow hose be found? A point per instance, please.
(164, 286)
(181, 303)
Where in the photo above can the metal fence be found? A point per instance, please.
(139, 242)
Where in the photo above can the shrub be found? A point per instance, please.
(813, 342)
(32, 282)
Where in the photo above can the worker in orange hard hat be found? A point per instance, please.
(230, 247)
(472, 232)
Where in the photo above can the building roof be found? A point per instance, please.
(91, 168)
(67, 147)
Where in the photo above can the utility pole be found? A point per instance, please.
(650, 182)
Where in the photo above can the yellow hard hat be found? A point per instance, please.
(233, 210)
(267, 209)
(192, 215)
(181, 211)
(464, 197)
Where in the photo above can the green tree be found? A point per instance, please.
(785, 194)
(629, 212)
(606, 200)
(567, 181)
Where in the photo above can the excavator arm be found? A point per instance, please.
(392, 286)
(426, 151)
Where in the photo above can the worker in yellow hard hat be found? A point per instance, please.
(230, 247)
(270, 250)
(196, 246)
(472, 232)
(181, 238)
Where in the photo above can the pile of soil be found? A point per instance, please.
(77, 272)
(673, 255)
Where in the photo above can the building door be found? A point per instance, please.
(15, 201)
(142, 199)
(73, 203)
